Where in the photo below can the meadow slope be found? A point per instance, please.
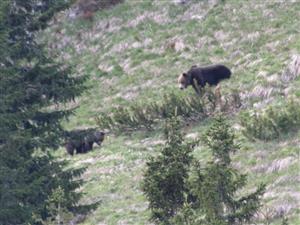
(134, 52)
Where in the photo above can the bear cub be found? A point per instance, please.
(201, 76)
(82, 140)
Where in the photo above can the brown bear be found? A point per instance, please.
(94, 137)
(200, 76)
(82, 140)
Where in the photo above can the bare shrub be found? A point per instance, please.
(293, 69)
(271, 122)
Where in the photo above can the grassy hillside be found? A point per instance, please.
(134, 53)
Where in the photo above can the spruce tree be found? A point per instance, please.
(215, 186)
(30, 84)
(165, 179)
(182, 191)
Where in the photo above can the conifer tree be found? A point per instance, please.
(216, 185)
(181, 191)
(30, 83)
(165, 179)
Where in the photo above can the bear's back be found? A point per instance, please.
(219, 71)
(210, 74)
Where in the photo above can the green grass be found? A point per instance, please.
(131, 62)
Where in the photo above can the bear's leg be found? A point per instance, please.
(69, 147)
(197, 87)
(88, 146)
(218, 96)
(80, 148)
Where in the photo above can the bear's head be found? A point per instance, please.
(99, 137)
(183, 81)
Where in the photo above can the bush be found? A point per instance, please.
(271, 122)
(145, 115)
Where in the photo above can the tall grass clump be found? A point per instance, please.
(272, 122)
(146, 114)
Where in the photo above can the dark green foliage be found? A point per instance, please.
(284, 221)
(166, 175)
(181, 191)
(215, 190)
(30, 84)
(216, 185)
(43, 11)
(272, 122)
(220, 139)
